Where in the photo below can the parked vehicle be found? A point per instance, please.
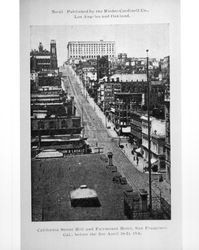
(123, 181)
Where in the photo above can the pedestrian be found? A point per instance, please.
(137, 160)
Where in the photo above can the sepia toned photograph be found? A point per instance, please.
(100, 122)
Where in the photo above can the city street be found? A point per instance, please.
(99, 137)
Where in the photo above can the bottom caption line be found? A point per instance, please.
(101, 231)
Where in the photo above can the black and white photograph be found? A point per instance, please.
(100, 122)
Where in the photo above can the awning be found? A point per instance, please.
(153, 161)
(49, 153)
(126, 130)
(112, 110)
(138, 150)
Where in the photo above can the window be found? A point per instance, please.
(63, 124)
(76, 123)
(40, 125)
(51, 124)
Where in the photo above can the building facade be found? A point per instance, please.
(165, 68)
(136, 128)
(56, 126)
(125, 102)
(106, 93)
(90, 49)
(42, 59)
(102, 67)
(157, 142)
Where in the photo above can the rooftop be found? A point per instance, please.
(83, 192)
(54, 179)
(86, 42)
(130, 77)
(49, 153)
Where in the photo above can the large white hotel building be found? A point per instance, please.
(90, 49)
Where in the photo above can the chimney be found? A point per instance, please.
(40, 47)
(110, 158)
(143, 195)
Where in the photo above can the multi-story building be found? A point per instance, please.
(157, 142)
(122, 58)
(165, 68)
(107, 90)
(61, 125)
(167, 141)
(136, 128)
(89, 74)
(125, 102)
(42, 59)
(53, 118)
(90, 49)
(102, 67)
(48, 79)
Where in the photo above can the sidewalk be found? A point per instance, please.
(127, 150)
(160, 188)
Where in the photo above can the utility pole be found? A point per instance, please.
(82, 122)
(149, 133)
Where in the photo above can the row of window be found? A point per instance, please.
(52, 124)
(90, 45)
(43, 60)
(91, 51)
(86, 56)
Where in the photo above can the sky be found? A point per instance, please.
(132, 39)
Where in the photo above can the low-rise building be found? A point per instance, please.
(67, 174)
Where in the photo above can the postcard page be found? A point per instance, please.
(100, 130)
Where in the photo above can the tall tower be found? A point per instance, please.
(53, 54)
(40, 47)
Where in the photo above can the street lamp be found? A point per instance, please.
(149, 132)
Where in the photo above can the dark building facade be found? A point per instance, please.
(124, 104)
(102, 67)
(49, 80)
(165, 68)
(42, 59)
(136, 128)
(56, 126)
(53, 54)
(110, 89)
